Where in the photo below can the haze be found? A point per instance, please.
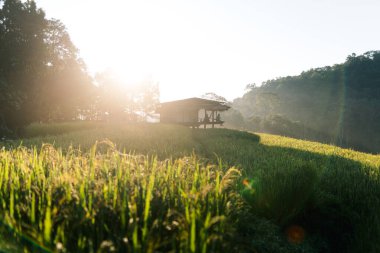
(194, 47)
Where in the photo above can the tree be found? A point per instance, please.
(42, 77)
(250, 87)
(148, 97)
(117, 100)
(337, 104)
(20, 42)
(214, 96)
(112, 97)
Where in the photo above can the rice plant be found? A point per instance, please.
(164, 188)
(112, 201)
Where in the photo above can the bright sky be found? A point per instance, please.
(197, 46)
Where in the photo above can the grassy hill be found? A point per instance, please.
(100, 187)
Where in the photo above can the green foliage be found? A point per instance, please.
(118, 101)
(194, 190)
(42, 78)
(39, 130)
(338, 104)
(41, 75)
(116, 200)
(280, 195)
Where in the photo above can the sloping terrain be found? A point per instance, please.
(100, 187)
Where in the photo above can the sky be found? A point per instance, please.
(197, 46)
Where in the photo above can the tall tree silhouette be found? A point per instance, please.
(41, 75)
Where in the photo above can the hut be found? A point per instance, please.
(192, 112)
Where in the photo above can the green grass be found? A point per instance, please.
(98, 187)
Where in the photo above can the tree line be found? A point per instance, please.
(337, 104)
(43, 79)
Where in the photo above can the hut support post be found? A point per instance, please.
(204, 119)
(212, 118)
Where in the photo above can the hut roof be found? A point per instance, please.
(194, 103)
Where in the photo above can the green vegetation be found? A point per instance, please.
(97, 186)
(43, 79)
(41, 74)
(146, 188)
(337, 104)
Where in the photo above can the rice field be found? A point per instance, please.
(98, 187)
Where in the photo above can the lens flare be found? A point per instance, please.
(295, 234)
(246, 182)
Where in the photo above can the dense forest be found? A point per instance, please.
(43, 79)
(337, 104)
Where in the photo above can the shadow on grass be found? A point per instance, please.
(11, 241)
(334, 199)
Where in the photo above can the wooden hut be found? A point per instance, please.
(192, 112)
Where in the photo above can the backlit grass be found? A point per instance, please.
(146, 188)
(83, 202)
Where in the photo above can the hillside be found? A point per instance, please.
(337, 104)
(211, 191)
